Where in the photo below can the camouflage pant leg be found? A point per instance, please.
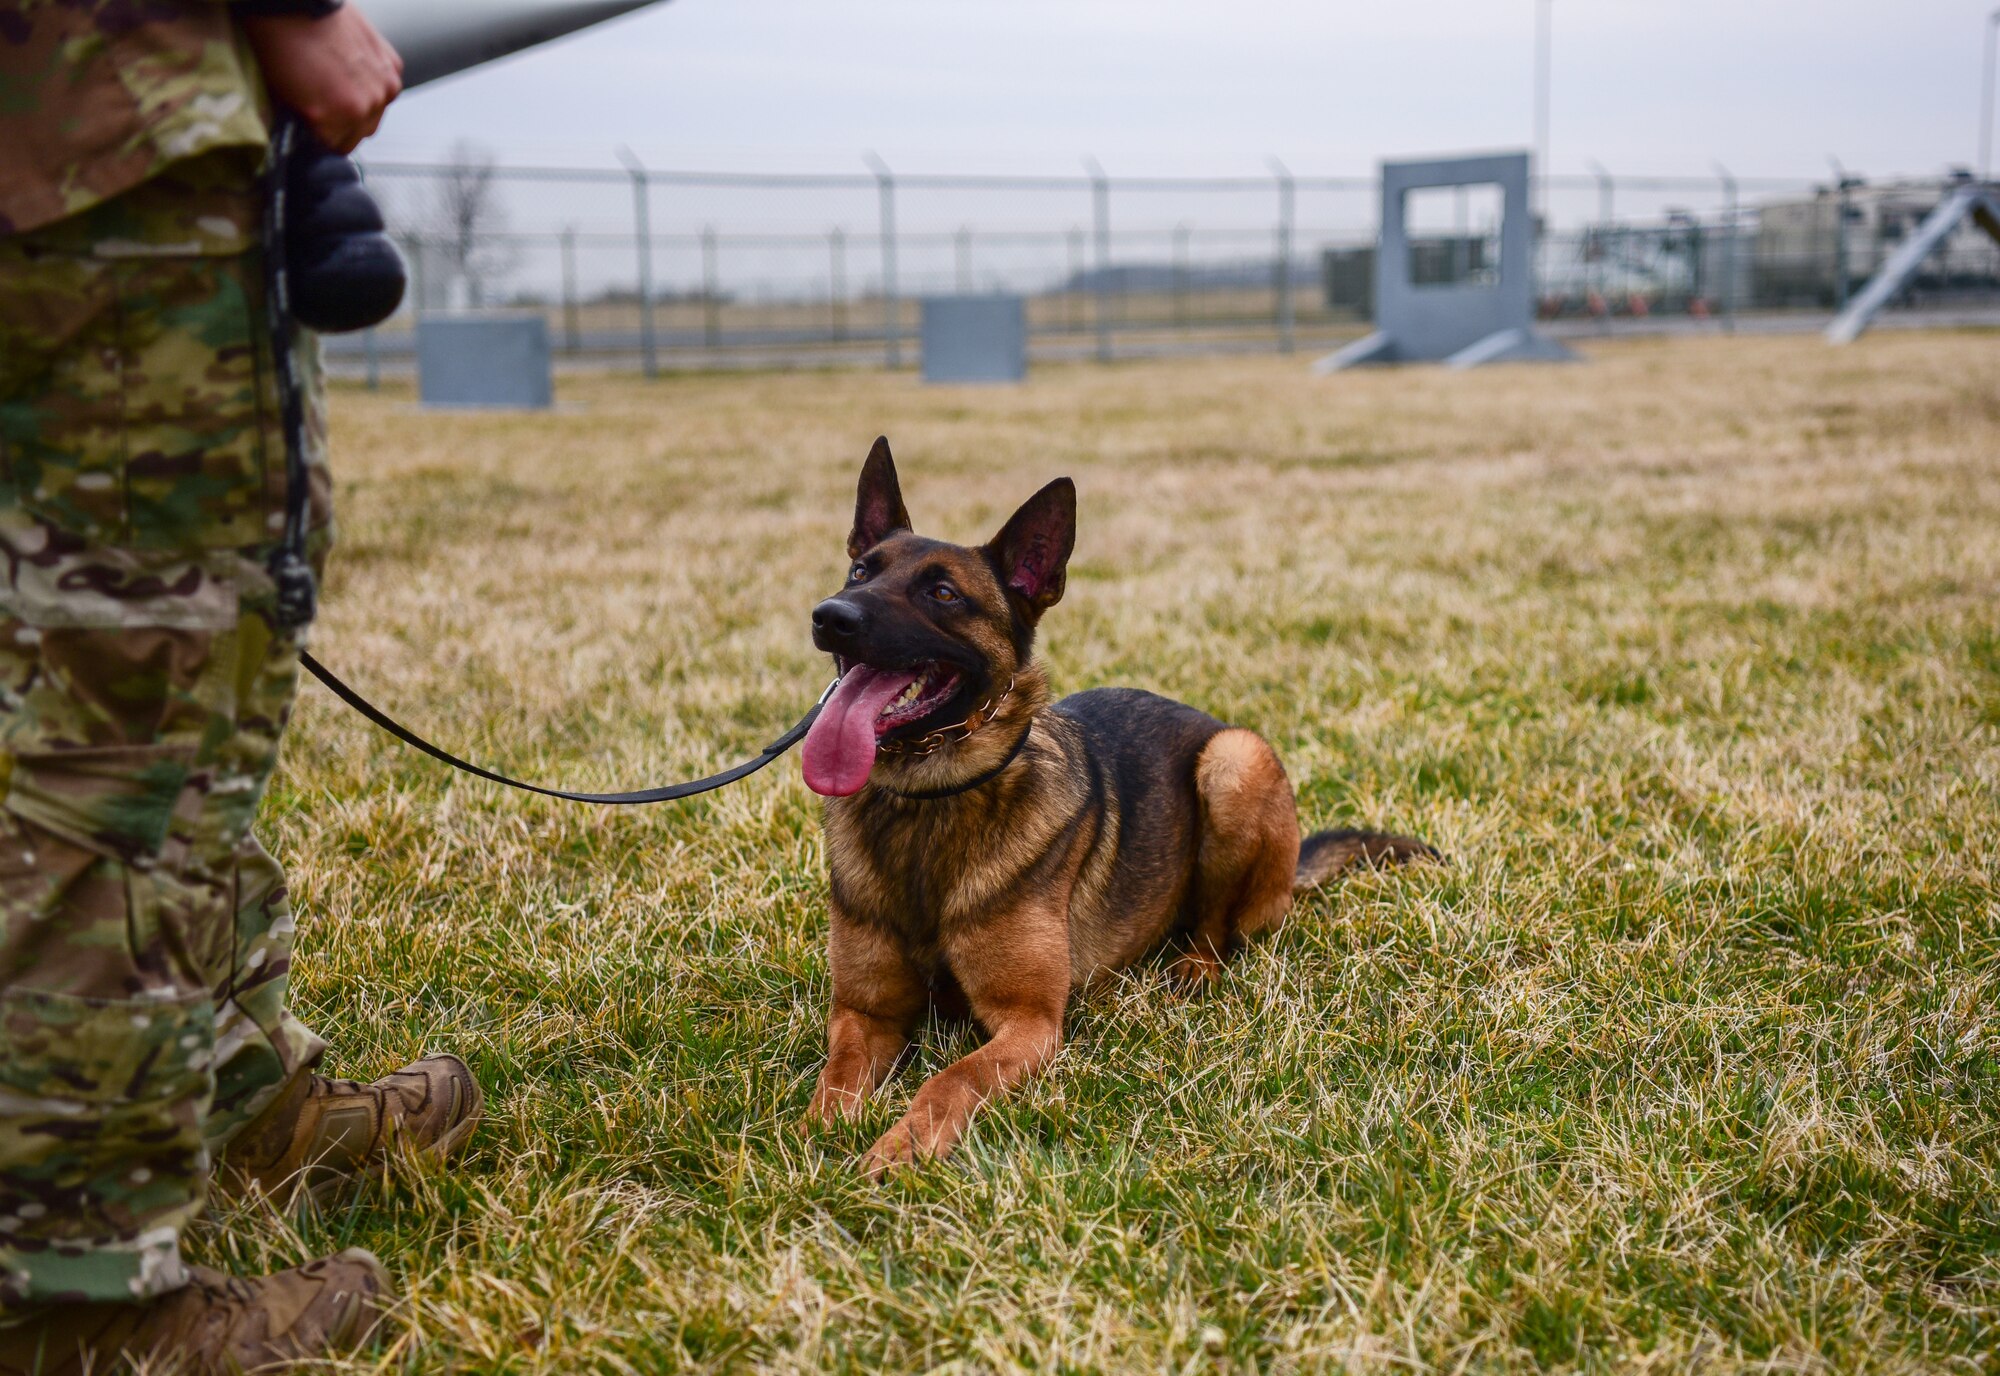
(259, 1044)
(144, 937)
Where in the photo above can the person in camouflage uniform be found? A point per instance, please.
(145, 680)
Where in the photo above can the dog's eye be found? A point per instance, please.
(857, 573)
(945, 592)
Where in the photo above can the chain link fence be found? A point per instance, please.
(636, 267)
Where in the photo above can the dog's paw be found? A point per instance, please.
(1193, 971)
(830, 1108)
(894, 1150)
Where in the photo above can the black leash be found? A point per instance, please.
(664, 794)
(291, 570)
(298, 591)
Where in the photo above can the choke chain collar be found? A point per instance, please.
(932, 741)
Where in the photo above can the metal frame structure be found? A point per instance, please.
(1461, 325)
(1979, 200)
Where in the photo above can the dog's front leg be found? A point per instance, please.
(877, 998)
(1015, 973)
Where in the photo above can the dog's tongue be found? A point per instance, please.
(840, 749)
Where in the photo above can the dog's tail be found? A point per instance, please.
(1325, 854)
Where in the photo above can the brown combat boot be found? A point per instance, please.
(216, 1323)
(321, 1133)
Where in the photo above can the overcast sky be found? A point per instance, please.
(1769, 87)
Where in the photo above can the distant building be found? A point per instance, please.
(1801, 250)
(1784, 253)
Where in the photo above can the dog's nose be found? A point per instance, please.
(835, 617)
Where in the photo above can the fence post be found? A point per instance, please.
(368, 341)
(711, 292)
(1697, 235)
(836, 279)
(1840, 246)
(416, 243)
(642, 230)
(1100, 209)
(1461, 251)
(1728, 247)
(1607, 191)
(892, 327)
(1181, 274)
(1843, 184)
(1071, 287)
(572, 334)
(963, 244)
(1281, 279)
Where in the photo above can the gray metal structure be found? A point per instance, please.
(1980, 201)
(439, 37)
(498, 361)
(1459, 324)
(975, 338)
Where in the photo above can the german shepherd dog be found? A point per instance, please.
(990, 850)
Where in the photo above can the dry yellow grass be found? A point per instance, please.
(1688, 658)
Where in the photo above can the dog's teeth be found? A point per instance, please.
(913, 692)
(903, 699)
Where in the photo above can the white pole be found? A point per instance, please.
(1542, 26)
(1986, 98)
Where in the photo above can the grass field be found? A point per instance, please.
(1688, 657)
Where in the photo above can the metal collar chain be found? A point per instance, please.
(978, 780)
(932, 741)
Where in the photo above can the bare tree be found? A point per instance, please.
(464, 221)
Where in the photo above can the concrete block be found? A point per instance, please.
(485, 360)
(975, 338)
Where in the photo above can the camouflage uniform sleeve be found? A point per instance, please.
(97, 96)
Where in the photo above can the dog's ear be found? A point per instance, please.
(1031, 552)
(878, 506)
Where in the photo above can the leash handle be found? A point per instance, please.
(664, 794)
(291, 571)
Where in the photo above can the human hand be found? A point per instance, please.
(337, 72)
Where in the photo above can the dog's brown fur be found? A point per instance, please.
(1124, 821)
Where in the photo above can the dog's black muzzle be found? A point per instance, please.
(858, 629)
(839, 624)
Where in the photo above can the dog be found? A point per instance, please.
(990, 851)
